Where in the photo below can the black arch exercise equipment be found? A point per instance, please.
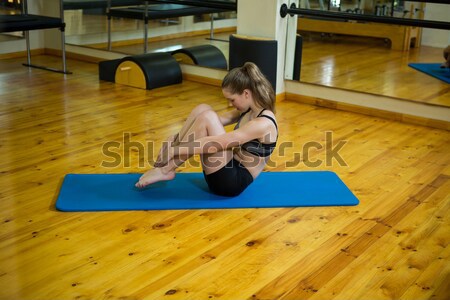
(202, 55)
(152, 70)
(147, 71)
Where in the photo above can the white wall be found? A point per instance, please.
(261, 18)
(436, 37)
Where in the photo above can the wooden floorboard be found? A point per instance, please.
(393, 245)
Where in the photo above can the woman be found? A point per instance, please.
(230, 161)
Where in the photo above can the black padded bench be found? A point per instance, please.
(26, 22)
(158, 11)
(88, 4)
(12, 23)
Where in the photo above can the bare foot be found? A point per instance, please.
(153, 176)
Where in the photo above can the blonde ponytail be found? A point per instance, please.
(250, 77)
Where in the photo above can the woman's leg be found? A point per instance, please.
(203, 123)
(195, 113)
(207, 123)
(198, 110)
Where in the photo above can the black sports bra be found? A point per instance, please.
(255, 147)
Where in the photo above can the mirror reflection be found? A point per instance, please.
(170, 27)
(373, 57)
(361, 56)
(10, 7)
(352, 55)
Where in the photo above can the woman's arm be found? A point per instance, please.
(254, 129)
(229, 117)
(226, 118)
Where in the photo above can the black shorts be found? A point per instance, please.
(229, 181)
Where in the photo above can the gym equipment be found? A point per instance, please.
(202, 55)
(113, 192)
(434, 70)
(90, 4)
(446, 54)
(160, 11)
(26, 22)
(219, 4)
(107, 69)
(262, 52)
(298, 57)
(292, 10)
(146, 71)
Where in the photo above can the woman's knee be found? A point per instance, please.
(210, 122)
(208, 117)
(199, 109)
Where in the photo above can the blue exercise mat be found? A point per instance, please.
(434, 70)
(112, 192)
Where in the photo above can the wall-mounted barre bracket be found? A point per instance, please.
(284, 10)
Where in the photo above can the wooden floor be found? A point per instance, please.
(393, 245)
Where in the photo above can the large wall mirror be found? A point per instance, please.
(352, 55)
(373, 57)
(10, 7)
(361, 56)
(89, 28)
